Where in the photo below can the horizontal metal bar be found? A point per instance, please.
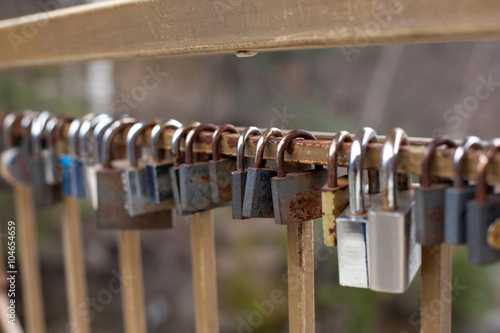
(127, 29)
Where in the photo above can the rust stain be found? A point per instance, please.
(300, 250)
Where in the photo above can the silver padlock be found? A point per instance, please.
(44, 193)
(221, 168)
(239, 177)
(194, 177)
(352, 223)
(52, 167)
(134, 178)
(178, 159)
(158, 172)
(258, 201)
(393, 253)
(456, 197)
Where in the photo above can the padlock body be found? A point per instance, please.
(91, 177)
(297, 197)
(220, 180)
(194, 184)
(136, 196)
(394, 256)
(333, 202)
(16, 167)
(111, 212)
(52, 167)
(429, 208)
(159, 182)
(175, 177)
(479, 217)
(258, 200)
(352, 250)
(455, 223)
(238, 182)
(73, 176)
(45, 195)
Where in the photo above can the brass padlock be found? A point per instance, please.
(239, 177)
(174, 171)
(221, 168)
(111, 212)
(158, 171)
(335, 194)
(296, 195)
(258, 201)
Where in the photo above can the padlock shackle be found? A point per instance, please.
(226, 128)
(73, 133)
(240, 149)
(132, 135)
(193, 136)
(10, 121)
(26, 124)
(485, 158)
(356, 163)
(390, 182)
(272, 132)
(37, 128)
(470, 142)
(97, 134)
(49, 131)
(429, 150)
(156, 135)
(338, 140)
(285, 144)
(176, 141)
(87, 127)
(107, 141)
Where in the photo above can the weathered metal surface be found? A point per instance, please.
(111, 213)
(220, 179)
(297, 197)
(238, 183)
(394, 256)
(430, 214)
(480, 216)
(333, 202)
(73, 177)
(159, 183)
(258, 200)
(45, 195)
(455, 224)
(194, 186)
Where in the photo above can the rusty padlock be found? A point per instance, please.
(174, 171)
(194, 177)
(221, 168)
(456, 197)
(239, 177)
(335, 193)
(429, 197)
(296, 195)
(111, 212)
(158, 172)
(483, 213)
(258, 200)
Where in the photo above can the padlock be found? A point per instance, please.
(335, 193)
(258, 200)
(429, 198)
(3, 183)
(239, 177)
(134, 178)
(44, 193)
(194, 178)
(111, 212)
(73, 169)
(220, 168)
(158, 172)
(49, 152)
(482, 215)
(296, 195)
(352, 226)
(456, 197)
(174, 171)
(394, 256)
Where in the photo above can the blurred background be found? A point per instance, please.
(428, 90)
